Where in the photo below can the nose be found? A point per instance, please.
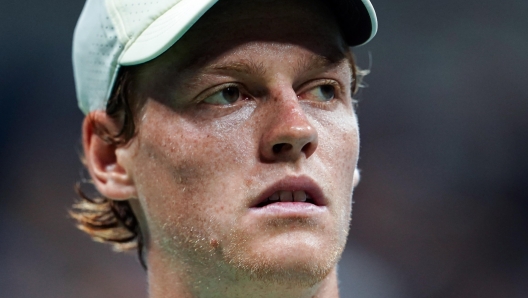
(289, 134)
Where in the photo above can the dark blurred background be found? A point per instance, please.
(442, 208)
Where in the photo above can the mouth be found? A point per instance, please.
(298, 196)
(291, 191)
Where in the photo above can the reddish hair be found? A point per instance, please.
(114, 222)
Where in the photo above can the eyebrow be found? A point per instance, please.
(252, 68)
(244, 67)
(315, 62)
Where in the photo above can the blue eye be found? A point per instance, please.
(322, 93)
(225, 96)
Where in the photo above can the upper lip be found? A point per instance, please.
(294, 183)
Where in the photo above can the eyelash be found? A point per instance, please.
(209, 92)
(318, 83)
(305, 88)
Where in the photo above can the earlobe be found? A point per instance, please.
(357, 177)
(109, 172)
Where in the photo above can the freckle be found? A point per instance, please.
(247, 182)
(213, 243)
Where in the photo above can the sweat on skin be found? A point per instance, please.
(253, 103)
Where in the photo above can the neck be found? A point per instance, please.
(168, 280)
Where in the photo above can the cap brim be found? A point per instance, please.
(357, 19)
(163, 32)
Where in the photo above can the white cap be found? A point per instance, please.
(111, 33)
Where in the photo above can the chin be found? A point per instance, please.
(294, 259)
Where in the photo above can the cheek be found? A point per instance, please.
(338, 152)
(339, 145)
(186, 175)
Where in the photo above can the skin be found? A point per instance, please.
(198, 161)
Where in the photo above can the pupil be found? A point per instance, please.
(327, 91)
(231, 94)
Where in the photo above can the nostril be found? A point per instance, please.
(277, 148)
(306, 147)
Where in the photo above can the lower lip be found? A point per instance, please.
(290, 209)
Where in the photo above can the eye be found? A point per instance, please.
(321, 93)
(225, 96)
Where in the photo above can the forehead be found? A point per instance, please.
(231, 25)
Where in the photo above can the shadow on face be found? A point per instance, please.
(230, 24)
(248, 78)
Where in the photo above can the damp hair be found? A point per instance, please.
(105, 220)
(114, 222)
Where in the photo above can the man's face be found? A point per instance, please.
(251, 106)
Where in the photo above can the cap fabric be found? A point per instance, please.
(111, 33)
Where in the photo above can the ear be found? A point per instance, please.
(357, 177)
(109, 173)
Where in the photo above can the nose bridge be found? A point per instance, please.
(289, 134)
(289, 116)
(288, 109)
